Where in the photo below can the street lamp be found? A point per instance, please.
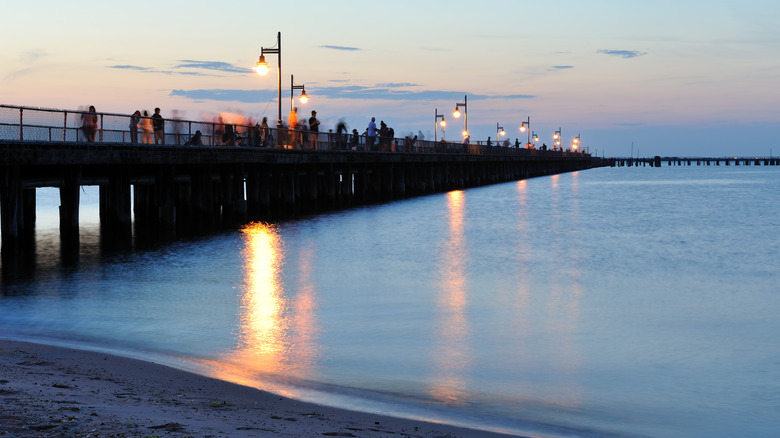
(557, 138)
(456, 114)
(526, 127)
(535, 139)
(262, 68)
(575, 144)
(499, 132)
(304, 98)
(436, 117)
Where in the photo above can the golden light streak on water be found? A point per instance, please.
(277, 328)
(451, 355)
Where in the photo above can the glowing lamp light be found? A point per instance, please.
(465, 133)
(304, 98)
(456, 113)
(555, 136)
(262, 67)
(503, 132)
(443, 123)
(522, 128)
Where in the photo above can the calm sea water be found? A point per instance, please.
(636, 302)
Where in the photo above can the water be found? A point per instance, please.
(634, 302)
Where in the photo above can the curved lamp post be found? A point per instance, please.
(557, 138)
(436, 117)
(456, 114)
(526, 127)
(304, 98)
(262, 68)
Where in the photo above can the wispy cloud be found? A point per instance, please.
(379, 92)
(345, 48)
(211, 65)
(397, 84)
(189, 67)
(32, 56)
(562, 67)
(622, 53)
(19, 73)
(129, 67)
(243, 96)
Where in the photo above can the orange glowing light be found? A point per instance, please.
(304, 98)
(262, 67)
(456, 113)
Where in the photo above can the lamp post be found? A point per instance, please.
(262, 68)
(575, 144)
(557, 138)
(456, 114)
(304, 98)
(526, 127)
(499, 132)
(436, 117)
(535, 139)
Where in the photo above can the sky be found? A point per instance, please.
(670, 78)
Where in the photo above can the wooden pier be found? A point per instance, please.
(658, 161)
(164, 192)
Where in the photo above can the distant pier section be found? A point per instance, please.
(658, 161)
(164, 191)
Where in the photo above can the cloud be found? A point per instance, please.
(243, 96)
(380, 92)
(345, 48)
(129, 67)
(32, 56)
(190, 68)
(397, 84)
(19, 73)
(622, 53)
(562, 67)
(212, 65)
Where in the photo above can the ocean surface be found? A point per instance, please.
(612, 302)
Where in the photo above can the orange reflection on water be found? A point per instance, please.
(451, 355)
(277, 329)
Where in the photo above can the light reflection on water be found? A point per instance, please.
(277, 330)
(587, 303)
(451, 355)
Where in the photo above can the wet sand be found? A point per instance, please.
(50, 391)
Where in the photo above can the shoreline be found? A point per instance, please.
(58, 391)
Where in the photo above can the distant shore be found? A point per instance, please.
(54, 391)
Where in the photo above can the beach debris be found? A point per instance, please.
(171, 427)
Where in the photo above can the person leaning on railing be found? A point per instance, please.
(89, 123)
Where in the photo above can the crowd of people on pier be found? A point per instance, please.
(301, 133)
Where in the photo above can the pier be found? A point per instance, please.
(162, 192)
(658, 161)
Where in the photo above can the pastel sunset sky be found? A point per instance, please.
(680, 78)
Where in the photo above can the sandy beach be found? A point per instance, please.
(50, 391)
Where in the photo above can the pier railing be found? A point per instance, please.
(56, 125)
